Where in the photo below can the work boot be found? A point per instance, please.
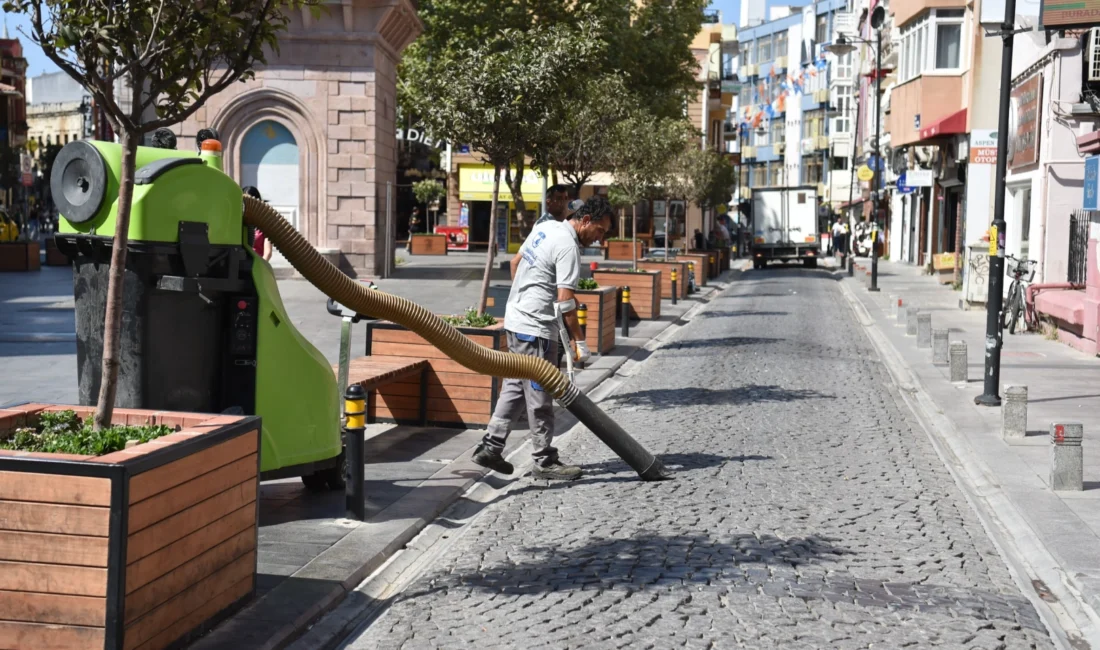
(492, 460)
(556, 471)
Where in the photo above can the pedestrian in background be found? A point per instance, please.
(414, 226)
(260, 243)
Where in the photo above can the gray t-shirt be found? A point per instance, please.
(549, 259)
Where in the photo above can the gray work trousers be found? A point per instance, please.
(540, 405)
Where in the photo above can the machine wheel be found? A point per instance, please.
(810, 262)
(756, 264)
(330, 478)
(337, 477)
(315, 482)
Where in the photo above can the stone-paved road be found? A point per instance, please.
(807, 511)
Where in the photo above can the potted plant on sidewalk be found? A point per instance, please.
(140, 534)
(601, 303)
(456, 395)
(618, 249)
(666, 267)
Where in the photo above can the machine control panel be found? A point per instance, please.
(242, 328)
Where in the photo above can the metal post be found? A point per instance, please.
(672, 278)
(626, 312)
(876, 206)
(345, 353)
(355, 412)
(391, 239)
(582, 321)
(993, 334)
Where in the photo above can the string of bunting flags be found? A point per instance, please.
(769, 97)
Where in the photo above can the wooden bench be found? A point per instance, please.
(374, 372)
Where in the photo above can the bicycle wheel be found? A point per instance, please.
(1008, 312)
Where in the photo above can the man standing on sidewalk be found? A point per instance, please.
(544, 284)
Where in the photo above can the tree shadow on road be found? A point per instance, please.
(719, 313)
(664, 398)
(645, 559)
(720, 342)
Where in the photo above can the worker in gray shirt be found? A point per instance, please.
(544, 285)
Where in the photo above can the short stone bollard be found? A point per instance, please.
(1014, 413)
(958, 363)
(1066, 458)
(939, 347)
(924, 330)
(911, 321)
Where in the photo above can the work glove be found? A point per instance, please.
(581, 352)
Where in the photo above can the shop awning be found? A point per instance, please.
(954, 123)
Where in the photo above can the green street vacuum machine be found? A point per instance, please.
(204, 329)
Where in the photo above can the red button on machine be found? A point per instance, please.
(242, 305)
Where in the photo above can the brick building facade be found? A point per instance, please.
(315, 129)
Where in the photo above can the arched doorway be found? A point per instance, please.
(269, 161)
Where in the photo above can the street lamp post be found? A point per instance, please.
(993, 333)
(843, 45)
(876, 204)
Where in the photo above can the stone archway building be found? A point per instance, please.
(333, 86)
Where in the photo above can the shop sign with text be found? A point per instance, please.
(983, 147)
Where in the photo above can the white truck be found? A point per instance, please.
(784, 221)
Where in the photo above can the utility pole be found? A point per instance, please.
(993, 333)
(876, 205)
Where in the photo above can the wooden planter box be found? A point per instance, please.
(645, 290)
(457, 396)
(602, 308)
(713, 270)
(702, 266)
(54, 257)
(140, 549)
(20, 256)
(666, 276)
(429, 244)
(620, 250)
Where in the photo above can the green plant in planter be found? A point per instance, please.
(63, 432)
(470, 319)
(625, 270)
(587, 284)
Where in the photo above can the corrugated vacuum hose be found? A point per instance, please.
(378, 304)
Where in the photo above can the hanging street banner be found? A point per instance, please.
(1024, 117)
(1069, 13)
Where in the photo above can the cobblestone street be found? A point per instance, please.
(807, 511)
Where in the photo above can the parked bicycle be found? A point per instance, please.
(1015, 305)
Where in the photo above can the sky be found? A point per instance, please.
(37, 63)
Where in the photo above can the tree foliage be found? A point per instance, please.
(582, 144)
(428, 191)
(174, 56)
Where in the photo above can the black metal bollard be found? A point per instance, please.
(582, 320)
(672, 278)
(355, 418)
(626, 312)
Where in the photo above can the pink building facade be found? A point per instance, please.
(315, 132)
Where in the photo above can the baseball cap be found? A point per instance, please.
(572, 207)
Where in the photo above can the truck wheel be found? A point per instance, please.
(315, 482)
(756, 264)
(810, 262)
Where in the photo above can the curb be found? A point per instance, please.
(341, 606)
(1069, 619)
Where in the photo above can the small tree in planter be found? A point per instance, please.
(176, 55)
(429, 191)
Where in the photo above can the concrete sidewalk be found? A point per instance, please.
(310, 557)
(1057, 535)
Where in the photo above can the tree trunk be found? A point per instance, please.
(515, 185)
(112, 326)
(492, 243)
(634, 237)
